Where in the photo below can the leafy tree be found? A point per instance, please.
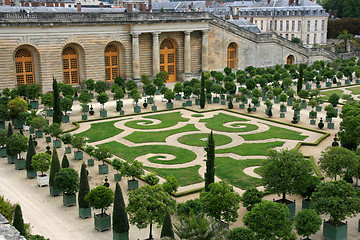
(33, 91)
(251, 197)
(241, 233)
(309, 186)
(148, 205)
(349, 133)
(202, 91)
(337, 161)
(135, 95)
(221, 202)
(30, 153)
(38, 123)
(67, 90)
(83, 187)
(67, 180)
(66, 104)
(54, 168)
(210, 161)
(334, 99)
(299, 86)
(190, 206)
(150, 89)
(18, 222)
(78, 142)
(169, 95)
(145, 79)
(57, 106)
(100, 87)
(163, 75)
(120, 218)
(346, 37)
(65, 162)
(171, 184)
(120, 82)
(338, 199)
(100, 197)
(151, 179)
(130, 85)
(307, 222)
(41, 162)
(55, 130)
(250, 84)
(102, 98)
(17, 106)
(167, 229)
(22, 90)
(284, 171)
(269, 220)
(14, 93)
(84, 97)
(90, 85)
(132, 169)
(199, 226)
(16, 144)
(101, 154)
(47, 99)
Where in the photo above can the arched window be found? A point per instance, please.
(111, 62)
(168, 59)
(231, 55)
(290, 59)
(70, 66)
(24, 67)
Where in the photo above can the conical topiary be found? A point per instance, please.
(30, 153)
(54, 168)
(120, 218)
(65, 162)
(57, 110)
(18, 222)
(9, 133)
(83, 188)
(167, 229)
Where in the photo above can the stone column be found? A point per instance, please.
(135, 56)
(187, 52)
(204, 50)
(156, 53)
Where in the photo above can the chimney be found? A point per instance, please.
(129, 8)
(268, 1)
(150, 6)
(78, 5)
(296, 2)
(291, 2)
(330, 13)
(208, 3)
(142, 7)
(251, 19)
(101, 5)
(335, 14)
(219, 1)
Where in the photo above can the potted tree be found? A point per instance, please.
(150, 89)
(330, 113)
(17, 143)
(102, 98)
(41, 162)
(78, 142)
(290, 93)
(132, 169)
(90, 150)
(130, 85)
(120, 218)
(67, 180)
(312, 114)
(84, 99)
(67, 90)
(187, 93)
(217, 89)
(3, 141)
(17, 106)
(118, 95)
(33, 92)
(66, 139)
(55, 131)
(178, 88)
(38, 123)
(66, 105)
(48, 101)
(54, 169)
(100, 87)
(308, 187)
(169, 95)
(30, 172)
(90, 86)
(4, 115)
(84, 207)
(307, 222)
(304, 94)
(328, 198)
(117, 164)
(101, 154)
(101, 197)
(135, 95)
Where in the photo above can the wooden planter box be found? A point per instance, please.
(84, 117)
(18, 124)
(282, 115)
(122, 112)
(31, 174)
(312, 122)
(90, 162)
(169, 105)
(216, 99)
(3, 152)
(137, 109)
(197, 101)
(28, 128)
(332, 232)
(318, 86)
(328, 84)
(84, 212)
(2, 125)
(208, 100)
(290, 102)
(178, 96)
(338, 83)
(69, 200)
(34, 104)
(102, 222)
(49, 112)
(117, 177)
(57, 143)
(308, 87)
(103, 113)
(223, 102)
(48, 139)
(78, 155)
(65, 118)
(120, 236)
(133, 184)
(290, 205)
(242, 106)
(54, 191)
(183, 104)
(154, 108)
(330, 125)
(307, 204)
(303, 105)
(347, 82)
(11, 159)
(318, 108)
(150, 100)
(39, 134)
(67, 150)
(103, 169)
(43, 180)
(20, 164)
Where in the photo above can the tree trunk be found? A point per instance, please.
(284, 196)
(150, 234)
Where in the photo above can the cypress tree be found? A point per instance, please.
(18, 222)
(120, 218)
(210, 162)
(54, 168)
(202, 91)
(29, 154)
(167, 229)
(300, 79)
(65, 162)
(83, 187)
(9, 133)
(21, 132)
(57, 110)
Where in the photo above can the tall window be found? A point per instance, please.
(231, 55)
(293, 26)
(70, 66)
(287, 25)
(315, 27)
(299, 25)
(314, 38)
(308, 26)
(275, 25)
(24, 67)
(322, 37)
(322, 25)
(307, 38)
(281, 25)
(262, 25)
(111, 62)
(271, 27)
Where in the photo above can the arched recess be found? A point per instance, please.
(113, 55)
(73, 64)
(290, 59)
(231, 55)
(168, 58)
(26, 62)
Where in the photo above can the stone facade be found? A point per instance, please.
(201, 41)
(7, 231)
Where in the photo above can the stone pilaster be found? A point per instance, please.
(135, 55)
(204, 50)
(187, 52)
(156, 53)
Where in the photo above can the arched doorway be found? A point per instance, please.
(231, 55)
(111, 62)
(290, 59)
(24, 67)
(70, 66)
(168, 59)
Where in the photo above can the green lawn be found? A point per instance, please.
(129, 153)
(101, 131)
(160, 136)
(248, 149)
(197, 115)
(327, 94)
(167, 120)
(195, 139)
(185, 176)
(275, 132)
(217, 122)
(231, 170)
(354, 90)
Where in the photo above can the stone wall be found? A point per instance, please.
(7, 231)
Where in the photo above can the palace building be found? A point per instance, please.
(76, 46)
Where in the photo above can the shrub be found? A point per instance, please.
(41, 162)
(251, 197)
(67, 180)
(100, 197)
